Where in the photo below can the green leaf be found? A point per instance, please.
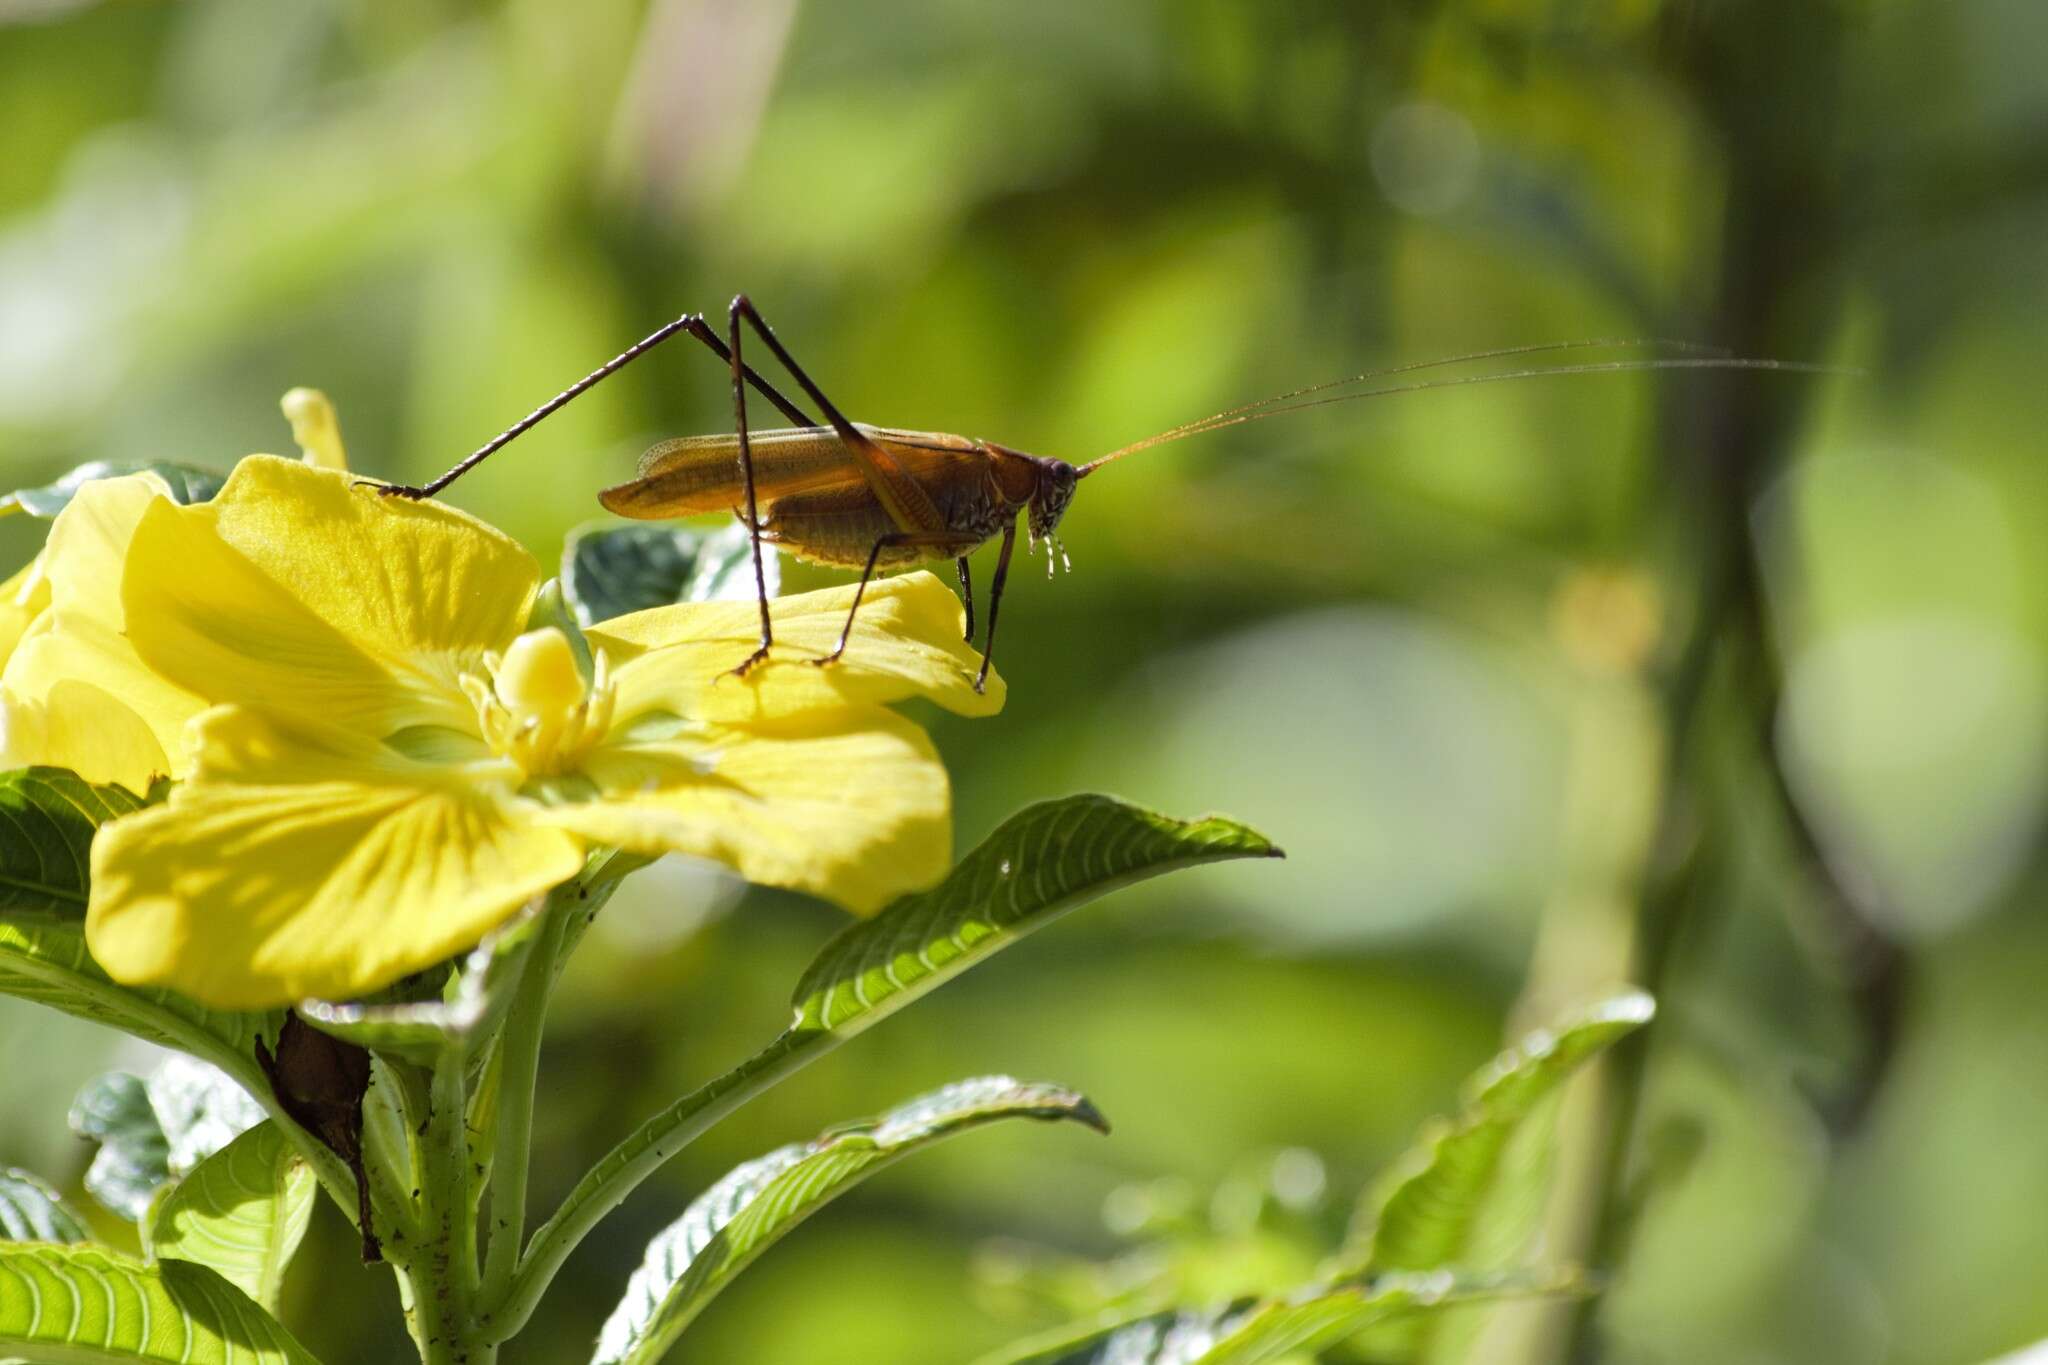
(49, 964)
(47, 820)
(134, 1156)
(188, 484)
(91, 1305)
(610, 570)
(756, 1204)
(32, 1211)
(150, 1131)
(1044, 861)
(1297, 1327)
(241, 1211)
(1311, 1323)
(1423, 1214)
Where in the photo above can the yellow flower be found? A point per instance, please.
(394, 762)
(73, 692)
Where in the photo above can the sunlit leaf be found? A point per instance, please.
(757, 1203)
(1421, 1216)
(241, 1211)
(187, 483)
(86, 1304)
(33, 1211)
(611, 571)
(1313, 1322)
(47, 819)
(1289, 1329)
(1042, 862)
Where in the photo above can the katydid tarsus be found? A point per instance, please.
(848, 494)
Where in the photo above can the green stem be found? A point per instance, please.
(442, 1275)
(519, 1066)
(622, 1169)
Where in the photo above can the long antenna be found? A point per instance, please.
(1497, 353)
(1274, 406)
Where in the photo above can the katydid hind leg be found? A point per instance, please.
(692, 323)
(743, 307)
(753, 518)
(966, 596)
(995, 602)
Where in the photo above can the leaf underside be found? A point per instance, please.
(152, 1131)
(610, 571)
(241, 1211)
(188, 484)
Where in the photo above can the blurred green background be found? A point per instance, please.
(1737, 684)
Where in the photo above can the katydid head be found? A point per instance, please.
(1049, 498)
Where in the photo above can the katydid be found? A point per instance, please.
(857, 496)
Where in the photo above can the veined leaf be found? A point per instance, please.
(88, 1304)
(241, 1211)
(33, 1211)
(47, 819)
(1314, 1322)
(1295, 1328)
(188, 484)
(1043, 861)
(745, 1213)
(610, 571)
(49, 964)
(1422, 1215)
(150, 1131)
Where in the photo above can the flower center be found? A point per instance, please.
(535, 708)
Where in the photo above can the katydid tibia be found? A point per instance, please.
(845, 493)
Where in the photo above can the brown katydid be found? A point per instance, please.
(848, 494)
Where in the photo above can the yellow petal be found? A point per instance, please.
(63, 650)
(89, 542)
(851, 804)
(315, 428)
(298, 593)
(906, 642)
(23, 598)
(77, 726)
(301, 862)
(82, 637)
